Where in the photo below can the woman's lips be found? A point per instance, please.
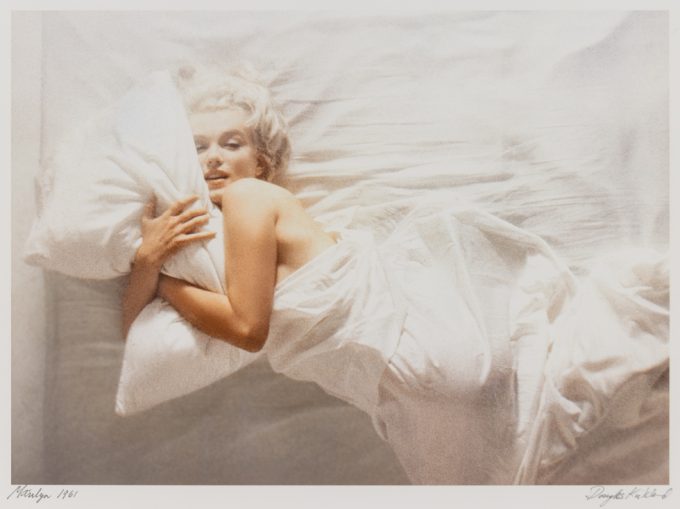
(216, 182)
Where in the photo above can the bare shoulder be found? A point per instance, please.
(255, 192)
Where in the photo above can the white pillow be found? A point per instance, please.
(89, 226)
(165, 357)
(103, 174)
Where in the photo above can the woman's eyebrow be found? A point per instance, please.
(232, 132)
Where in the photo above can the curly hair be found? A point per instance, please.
(209, 89)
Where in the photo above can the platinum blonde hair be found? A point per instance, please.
(208, 89)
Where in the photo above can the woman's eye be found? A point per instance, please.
(200, 148)
(232, 145)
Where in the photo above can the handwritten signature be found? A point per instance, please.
(599, 493)
(38, 495)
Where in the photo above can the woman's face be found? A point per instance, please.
(225, 149)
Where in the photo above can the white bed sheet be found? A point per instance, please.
(554, 121)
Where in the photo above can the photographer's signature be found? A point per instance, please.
(605, 495)
(39, 494)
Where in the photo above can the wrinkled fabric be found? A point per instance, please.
(607, 373)
(337, 320)
(479, 356)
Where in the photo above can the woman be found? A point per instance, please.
(268, 234)
(449, 332)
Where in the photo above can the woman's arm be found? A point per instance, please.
(140, 290)
(242, 316)
(209, 312)
(161, 237)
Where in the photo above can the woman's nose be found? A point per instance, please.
(213, 159)
(214, 162)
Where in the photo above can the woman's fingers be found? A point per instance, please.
(193, 223)
(187, 238)
(190, 214)
(180, 205)
(176, 227)
(150, 208)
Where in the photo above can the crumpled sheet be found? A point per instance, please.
(602, 407)
(508, 367)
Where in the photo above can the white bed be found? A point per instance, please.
(554, 121)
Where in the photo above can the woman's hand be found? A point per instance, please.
(175, 228)
(161, 237)
(242, 317)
